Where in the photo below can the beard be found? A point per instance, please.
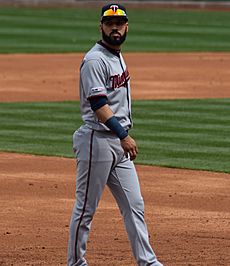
(114, 41)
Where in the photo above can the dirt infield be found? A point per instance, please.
(187, 212)
(153, 76)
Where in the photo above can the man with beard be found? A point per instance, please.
(103, 147)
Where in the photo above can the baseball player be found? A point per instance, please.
(103, 146)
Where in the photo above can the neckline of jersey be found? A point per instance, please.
(113, 51)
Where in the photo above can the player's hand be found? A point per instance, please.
(130, 148)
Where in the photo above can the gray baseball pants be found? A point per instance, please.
(100, 162)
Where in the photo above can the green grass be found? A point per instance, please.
(190, 134)
(28, 30)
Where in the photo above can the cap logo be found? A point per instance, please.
(114, 8)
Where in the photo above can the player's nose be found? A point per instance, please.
(114, 28)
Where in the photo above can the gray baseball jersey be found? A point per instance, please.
(104, 73)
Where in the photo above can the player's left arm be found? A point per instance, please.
(106, 116)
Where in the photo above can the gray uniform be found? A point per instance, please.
(104, 73)
(101, 160)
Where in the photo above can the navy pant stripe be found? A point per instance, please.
(86, 193)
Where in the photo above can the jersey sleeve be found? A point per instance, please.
(93, 78)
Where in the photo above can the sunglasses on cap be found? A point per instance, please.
(112, 11)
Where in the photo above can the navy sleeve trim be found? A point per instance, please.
(96, 96)
(97, 102)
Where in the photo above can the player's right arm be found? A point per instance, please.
(106, 116)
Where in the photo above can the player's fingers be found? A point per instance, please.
(133, 154)
(133, 157)
(130, 150)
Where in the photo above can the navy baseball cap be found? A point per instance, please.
(113, 10)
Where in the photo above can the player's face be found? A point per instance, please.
(114, 31)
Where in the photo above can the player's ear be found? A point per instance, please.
(100, 27)
(127, 27)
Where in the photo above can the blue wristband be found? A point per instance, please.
(113, 124)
